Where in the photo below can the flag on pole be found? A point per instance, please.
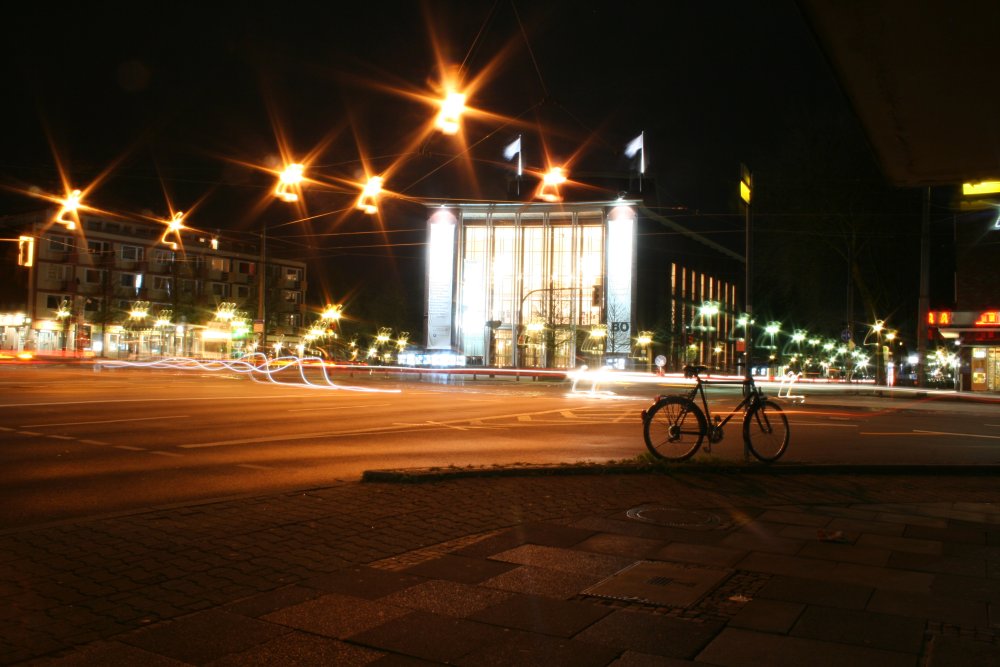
(512, 149)
(635, 146)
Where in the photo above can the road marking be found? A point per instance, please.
(131, 449)
(105, 421)
(29, 433)
(964, 435)
(524, 418)
(340, 407)
(147, 400)
(252, 466)
(399, 427)
(96, 442)
(62, 437)
(798, 423)
(159, 453)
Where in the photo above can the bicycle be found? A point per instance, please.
(675, 426)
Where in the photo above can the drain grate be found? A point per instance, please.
(674, 517)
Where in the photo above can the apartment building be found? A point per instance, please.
(118, 288)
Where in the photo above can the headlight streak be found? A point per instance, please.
(256, 365)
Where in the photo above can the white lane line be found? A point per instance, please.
(159, 453)
(62, 437)
(29, 433)
(962, 435)
(798, 423)
(147, 400)
(105, 421)
(252, 466)
(340, 407)
(131, 449)
(394, 428)
(96, 442)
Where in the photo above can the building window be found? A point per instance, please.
(54, 301)
(98, 247)
(242, 292)
(220, 289)
(59, 272)
(291, 320)
(219, 264)
(246, 268)
(129, 280)
(92, 305)
(161, 256)
(93, 276)
(293, 275)
(59, 244)
(187, 287)
(131, 253)
(161, 283)
(291, 296)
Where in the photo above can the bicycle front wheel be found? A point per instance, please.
(674, 428)
(765, 431)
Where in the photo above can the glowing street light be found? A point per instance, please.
(368, 201)
(174, 226)
(288, 182)
(69, 205)
(332, 313)
(549, 190)
(449, 118)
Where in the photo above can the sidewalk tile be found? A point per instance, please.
(811, 591)
(363, 582)
(635, 548)
(567, 560)
(545, 616)
(264, 603)
(971, 588)
(848, 553)
(335, 615)
(749, 539)
(701, 554)
(906, 544)
(971, 567)
(459, 568)
(949, 610)
(792, 566)
(945, 650)
(112, 653)
(948, 533)
(203, 636)
(860, 526)
(794, 518)
(636, 659)
(744, 648)
(864, 628)
(448, 598)
(880, 577)
(529, 650)
(431, 636)
(299, 649)
(651, 633)
(913, 520)
(542, 581)
(766, 615)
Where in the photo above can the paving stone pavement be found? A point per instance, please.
(715, 567)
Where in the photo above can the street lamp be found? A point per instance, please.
(645, 341)
(288, 183)
(449, 118)
(69, 205)
(368, 200)
(137, 314)
(772, 330)
(708, 310)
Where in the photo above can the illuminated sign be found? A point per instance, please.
(939, 317)
(989, 318)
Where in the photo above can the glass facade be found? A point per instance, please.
(530, 288)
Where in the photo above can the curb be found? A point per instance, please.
(420, 475)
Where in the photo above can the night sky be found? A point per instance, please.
(188, 104)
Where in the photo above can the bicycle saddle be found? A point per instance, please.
(694, 371)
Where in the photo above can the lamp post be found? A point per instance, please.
(63, 313)
(708, 310)
(772, 330)
(137, 315)
(645, 342)
(746, 190)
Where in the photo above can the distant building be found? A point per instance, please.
(121, 288)
(559, 285)
(971, 330)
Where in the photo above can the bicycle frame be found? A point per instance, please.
(751, 398)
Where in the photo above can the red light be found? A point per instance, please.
(988, 318)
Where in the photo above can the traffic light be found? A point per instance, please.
(596, 296)
(26, 251)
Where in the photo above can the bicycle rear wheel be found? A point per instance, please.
(765, 431)
(674, 428)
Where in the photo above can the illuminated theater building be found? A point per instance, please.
(556, 285)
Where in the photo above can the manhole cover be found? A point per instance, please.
(659, 583)
(674, 517)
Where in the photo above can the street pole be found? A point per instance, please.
(261, 283)
(923, 303)
(745, 192)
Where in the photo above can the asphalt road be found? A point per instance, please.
(78, 442)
